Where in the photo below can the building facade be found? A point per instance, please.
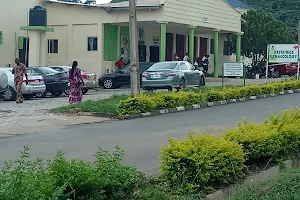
(97, 35)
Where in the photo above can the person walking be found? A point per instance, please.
(186, 57)
(76, 82)
(19, 70)
(205, 63)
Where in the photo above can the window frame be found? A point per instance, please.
(212, 46)
(94, 46)
(53, 46)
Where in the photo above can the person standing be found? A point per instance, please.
(205, 63)
(19, 70)
(176, 57)
(186, 57)
(76, 82)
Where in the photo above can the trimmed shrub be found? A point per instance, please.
(214, 95)
(253, 90)
(267, 89)
(231, 93)
(136, 105)
(200, 162)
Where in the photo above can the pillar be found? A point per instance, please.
(191, 42)
(43, 47)
(34, 48)
(163, 41)
(216, 53)
(238, 47)
(198, 46)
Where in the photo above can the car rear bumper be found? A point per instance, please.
(90, 84)
(159, 84)
(33, 89)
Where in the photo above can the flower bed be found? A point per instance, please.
(145, 103)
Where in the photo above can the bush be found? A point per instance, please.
(135, 105)
(200, 162)
(271, 141)
(214, 95)
(106, 179)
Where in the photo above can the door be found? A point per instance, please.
(180, 45)
(169, 47)
(203, 47)
(195, 74)
(123, 76)
(23, 53)
(187, 73)
(142, 53)
(154, 54)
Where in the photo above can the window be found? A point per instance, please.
(52, 46)
(92, 43)
(212, 46)
(183, 66)
(1, 37)
(226, 48)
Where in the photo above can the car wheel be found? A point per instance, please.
(84, 91)
(41, 94)
(9, 94)
(202, 81)
(277, 74)
(170, 89)
(108, 83)
(27, 96)
(182, 84)
(57, 94)
(67, 91)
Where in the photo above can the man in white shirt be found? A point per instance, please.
(186, 57)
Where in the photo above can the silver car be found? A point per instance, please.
(173, 74)
(34, 87)
(3, 81)
(89, 79)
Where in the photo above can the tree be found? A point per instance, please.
(260, 29)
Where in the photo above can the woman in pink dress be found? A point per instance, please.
(76, 82)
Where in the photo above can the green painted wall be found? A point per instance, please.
(124, 31)
(111, 42)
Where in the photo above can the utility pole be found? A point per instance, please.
(134, 61)
(298, 51)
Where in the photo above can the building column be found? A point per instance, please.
(198, 47)
(163, 41)
(238, 46)
(191, 42)
(216, 53)
(100, 70)
(34, 48)
(43, 47)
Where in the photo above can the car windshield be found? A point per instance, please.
(163, 65)
(47, 70)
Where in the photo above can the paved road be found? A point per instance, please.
(141, 138)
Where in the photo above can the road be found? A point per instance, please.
(141, 138)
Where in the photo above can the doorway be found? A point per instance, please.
(203, 47)
(23, 53)
(169, 47)
(180, 45)
(154, 53)
(142, 53)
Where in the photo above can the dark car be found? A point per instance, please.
(121, 77)
(56, 82)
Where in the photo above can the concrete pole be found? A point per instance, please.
(134, 61)
(191, 42)
(216, 53)
(163, 41)
(238, 47)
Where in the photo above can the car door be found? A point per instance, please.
(187, 73)
(195, 74)
(123, 76)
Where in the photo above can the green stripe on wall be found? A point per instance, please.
(111, 42)
(1, 37)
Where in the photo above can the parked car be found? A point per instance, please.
(56, 82)
(3, 81)
(121, 77)
(35, 86)
(89, 79)
(173, 74)
(284, 69)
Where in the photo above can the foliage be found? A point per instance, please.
(200, 162)
(63, 179)
(163, 100)
(271, 141)
(283, 186)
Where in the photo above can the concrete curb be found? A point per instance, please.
(207, 104)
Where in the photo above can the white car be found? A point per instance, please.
(35, 86)
(3, 81)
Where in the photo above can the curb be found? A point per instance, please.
(207, 104)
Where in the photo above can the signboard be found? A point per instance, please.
(283, 53)
(233, 69)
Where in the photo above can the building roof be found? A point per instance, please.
(238, 5)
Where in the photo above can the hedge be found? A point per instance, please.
(200, 161)
(162, 100)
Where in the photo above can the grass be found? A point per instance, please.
(108, 106)
(284, 186)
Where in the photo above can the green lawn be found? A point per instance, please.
(108, 106)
